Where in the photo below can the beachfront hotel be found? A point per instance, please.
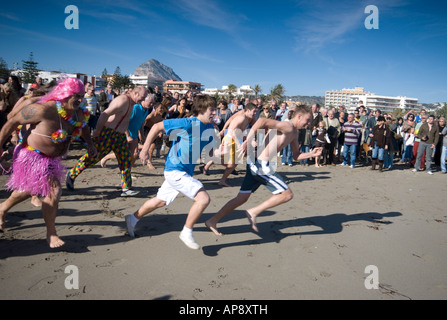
(241, 92)
(386, 103)
(182, 87)
(48, 76)
(146, 81)
(335, 98)
(350, 99)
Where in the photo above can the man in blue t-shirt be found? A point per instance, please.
(189, 137)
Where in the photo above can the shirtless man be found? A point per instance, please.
(109, 135)
(233, 139)
(260, 171)
(139, 114)
(37, 167)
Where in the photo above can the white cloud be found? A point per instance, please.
(188, 53)
(321, 24)
(209, 14)
(10, 16)
(72, 44)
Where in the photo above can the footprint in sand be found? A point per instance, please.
(111, 263)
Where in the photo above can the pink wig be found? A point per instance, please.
(63, 90)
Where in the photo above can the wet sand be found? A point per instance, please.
(316, 246)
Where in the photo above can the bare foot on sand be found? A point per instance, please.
(213, 228)
(252, 221)
(150, 166)
(103, 162)
(35, 201)
(223, 184)
(54, 241)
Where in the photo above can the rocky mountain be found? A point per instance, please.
(157, 70)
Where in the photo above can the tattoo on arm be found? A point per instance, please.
(28, 112)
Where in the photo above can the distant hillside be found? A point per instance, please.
(156, 70)
(309, 100)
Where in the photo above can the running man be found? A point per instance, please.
(189, 137)
(139, 114)
(261, 171)
(37, 166)
(232, 141)
(109, 135)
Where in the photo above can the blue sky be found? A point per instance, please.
(307, 46)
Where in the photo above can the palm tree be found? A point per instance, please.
(231, 89)
(277, 92)
(257, 89)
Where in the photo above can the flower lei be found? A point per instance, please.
(61, 135)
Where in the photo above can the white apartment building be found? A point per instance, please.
(48, 76)
(243, 91)
(335, 98)
(351, 97)
(387, 103)
(146, 81)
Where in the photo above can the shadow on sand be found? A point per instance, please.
(271, 231)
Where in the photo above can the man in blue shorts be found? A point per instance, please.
(189, 136)
(261, 169)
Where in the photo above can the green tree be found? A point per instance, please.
(442, 112)
(257, 90)
(277, 92)
(4, 71)
(399, 113)
(104, 73)
(120, 81)
(30, 70)
(231, 89)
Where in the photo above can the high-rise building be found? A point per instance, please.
(388, 104)
(335, 98)
(350, 99)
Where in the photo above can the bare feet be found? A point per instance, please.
(103, 162)
(252, 221)
(223, 184)
(213, 228)
(150, 166)
(35, 201)
(54, 241)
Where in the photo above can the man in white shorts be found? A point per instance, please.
(261, 169)
(190, 136)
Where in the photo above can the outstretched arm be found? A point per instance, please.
(153, 133)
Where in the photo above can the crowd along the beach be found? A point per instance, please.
(39, 125)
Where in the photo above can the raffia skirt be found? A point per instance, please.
(33, 171)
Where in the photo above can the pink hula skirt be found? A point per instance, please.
(31, 172)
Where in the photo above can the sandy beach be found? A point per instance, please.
(316, 246)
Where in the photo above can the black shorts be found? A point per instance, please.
(256, 175)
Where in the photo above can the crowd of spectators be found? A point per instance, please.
(362, 137)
